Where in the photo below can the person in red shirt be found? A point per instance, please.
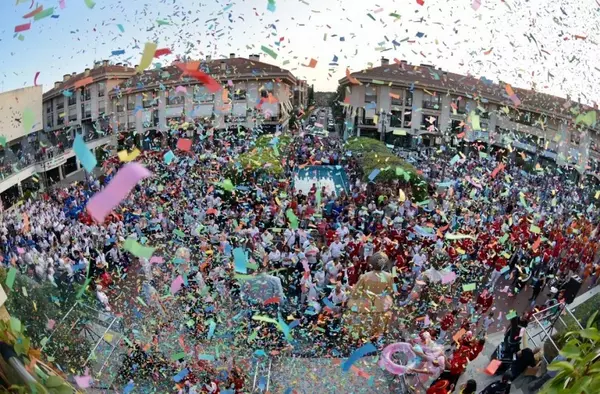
(446, 323)
(484, 301)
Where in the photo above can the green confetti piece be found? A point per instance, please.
(395, 15)
(162, 22)
(90, 4)
(15, 324)
(10, 277)
(503, 239)
(269, 51)
(178, 356)
(120, 26)
(535, 229)
(469, 287)
(133, 247)
(179, 233)
(28, 119)
(2, 140)
(206, 357)
(371, 16)
(43, 14)
(511, 315)
(141, 301)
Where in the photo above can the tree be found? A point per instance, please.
(311, 95)
(580, 373)
(293, 120)
(337, 109)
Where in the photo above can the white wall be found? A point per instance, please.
(13, 105)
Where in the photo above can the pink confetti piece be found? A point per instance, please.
(176, 285)
(83, 382)
(117, 190)
(50, 324)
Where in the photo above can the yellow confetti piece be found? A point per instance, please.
(147, 56)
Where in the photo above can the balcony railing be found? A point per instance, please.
(7, 169)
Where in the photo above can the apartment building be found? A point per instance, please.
(301, 95)
(423, 106)
(253, 94)
(79, 104)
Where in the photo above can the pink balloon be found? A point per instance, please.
(386, 358)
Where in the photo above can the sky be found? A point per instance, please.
(549, 46)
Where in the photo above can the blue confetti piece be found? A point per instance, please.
(419, 34)
(357, 354)
(181, 375)
(129, 388)
(374, 174)
(118, 52)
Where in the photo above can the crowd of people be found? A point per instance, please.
(320, 273)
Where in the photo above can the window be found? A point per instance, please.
(458, 126)
(370, 95)
(202, 96)
(396, 119)
(61, 119)
(131, 102)
(174, 98)
(49, 107)
(155, 117)
(50, 120)
(60, 104)
(397, 98)
(121, 122)
(101, 107)
(459, 105)
(131, 122)
(408, 98)
(87, 110)
(575, 137)
(148, 101)
(407, 119)
(431, 102)
(523, 117)
(429, 123)
(72, 113)
(86, 94)
(101, 89)
(240, 94)
(72, 99)
(120, 105)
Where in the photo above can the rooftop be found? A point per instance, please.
(425, 76)
(97, 73)
(221, 69)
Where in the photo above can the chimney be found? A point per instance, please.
(254, 57)
(232, 55)
(208, 58)
(97, 64)
(403, 62)
(86, 72)
(66, 77)
(104, 63)
(384, 61)
(57, 84)
(119, 64)
(73, 73)
(223, 64)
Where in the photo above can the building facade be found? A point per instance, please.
(301, 95)
(253, 94)
(423, 106)
(77, 104)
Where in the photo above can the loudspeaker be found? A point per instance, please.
(572, 288)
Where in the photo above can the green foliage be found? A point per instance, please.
(581, 372)
(311, 95)
(264, 158)
(374, 154)
(37, 304)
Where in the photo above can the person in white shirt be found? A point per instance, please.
(290, 237)
(336, 248)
